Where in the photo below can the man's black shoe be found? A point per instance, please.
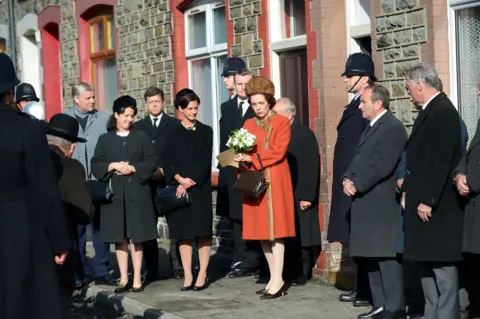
(240, 273)
(178, 275)
(350, 297)
(374, 313)
(106, 281)
(361, 303)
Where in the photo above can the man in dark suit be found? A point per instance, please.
(304, 161)
(359, 73)
(32, 220)
(158, 125)
(229, 202)
(433, 216)
(467, 180)
(62, 136)
(375, 210)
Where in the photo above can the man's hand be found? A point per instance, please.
(348, 188)
(402, 202)
(304, 205)
(462, 186)
(424, 212)
(60, 259)
(158, 174)
(399, 183)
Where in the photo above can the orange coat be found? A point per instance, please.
(270, 216)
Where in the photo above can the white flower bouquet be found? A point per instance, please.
(241, 141)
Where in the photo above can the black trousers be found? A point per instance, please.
(246, 253)
(362, 281)
(299, 262)
(386, 283)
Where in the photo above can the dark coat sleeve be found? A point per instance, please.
(99, 163)
(45, 188)
(464, 134)
(203, 164)
(225, 127)
(170, 168)
(147, 166)
(78, 196)
(308, 165)
(381, 164)
(402, 166)
(439, 153)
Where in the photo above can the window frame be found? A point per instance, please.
(212, 52)
(107, 53)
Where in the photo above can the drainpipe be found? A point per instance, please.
(11, 27)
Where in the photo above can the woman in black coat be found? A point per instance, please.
(187, 166)
(125, 159)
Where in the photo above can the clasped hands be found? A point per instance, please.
(462, 186)
(185, 183)
(240, 157)
(122, 168)
(348, 188)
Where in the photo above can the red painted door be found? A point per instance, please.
(52, 83)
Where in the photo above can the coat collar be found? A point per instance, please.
(56, 150)
(349, 110)
(424, 113)
(371, 129)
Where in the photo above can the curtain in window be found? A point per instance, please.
(105, 83)
(468, 66)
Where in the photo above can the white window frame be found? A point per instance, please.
(455, 5)
(211, 51)
(278, 44)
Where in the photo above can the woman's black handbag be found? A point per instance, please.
(252, 183)
(101, 192)
(167, 201)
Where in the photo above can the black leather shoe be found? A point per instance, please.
(240, 273)
(203, 287)
(187, 288)
(140, 289)
(350, 297)
(417, 317)
(300, 281)
(261, 291)
(374, 313)
(121, 289)
(280, 293)
(178, 275)
(106, 281)
(362, 303)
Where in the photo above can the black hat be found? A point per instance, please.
(8, 78)
(25, 92)
(123, 102)
(233, 65)
(359, 64)
(64, 126)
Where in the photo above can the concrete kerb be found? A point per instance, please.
(124, 303)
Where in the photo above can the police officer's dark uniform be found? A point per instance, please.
(349, 130)
(33, 228)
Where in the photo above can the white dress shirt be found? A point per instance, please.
(245, 105)
(157, 117)
(377, 117)
(426, 103)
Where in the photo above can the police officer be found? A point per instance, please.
(33, 226)
(359, 73)
(229, 70)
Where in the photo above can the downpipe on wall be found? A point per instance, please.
(12, 29)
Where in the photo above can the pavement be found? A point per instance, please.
(224, 299)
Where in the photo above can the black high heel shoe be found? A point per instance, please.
(280, 293)
(187, 288)
(121, 289)
(261, 291)
(203, 287)
(139, 289)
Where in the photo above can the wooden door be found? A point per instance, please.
(294, 81)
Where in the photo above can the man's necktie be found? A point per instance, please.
(155, 122)
(240, 109)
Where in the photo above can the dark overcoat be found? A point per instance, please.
(349, 130)
(158, 135)
(131, 214)
(304, 161)
(190, 155)
(230, 201)
(470, 166)
(375, 210)
(33, 227)
(433, 151)
(77, 203)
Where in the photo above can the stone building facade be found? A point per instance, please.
(301, 45)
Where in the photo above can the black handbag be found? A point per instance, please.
(101, 192)
(167, 201)
(252, 183)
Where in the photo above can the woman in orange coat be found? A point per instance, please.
(270, 217)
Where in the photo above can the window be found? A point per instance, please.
(206, 51)
(295, 22)
(103, 60)
(468, 65)
(3, 45)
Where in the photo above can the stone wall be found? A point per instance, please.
(246, 44)
(144, 52)
(400, 29)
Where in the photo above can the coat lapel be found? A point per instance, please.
(161, 126)
(424, 113)
(349, 110)
(369, 132)
(476, 138)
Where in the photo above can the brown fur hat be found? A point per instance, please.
(260, 85)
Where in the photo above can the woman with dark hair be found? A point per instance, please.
(125, 159)
(187, 166)
(271, 217)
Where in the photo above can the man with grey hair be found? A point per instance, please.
(433, 217)
(304, 161)
(92, 124)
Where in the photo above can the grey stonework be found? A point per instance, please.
(400, 31)
(247, 45)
